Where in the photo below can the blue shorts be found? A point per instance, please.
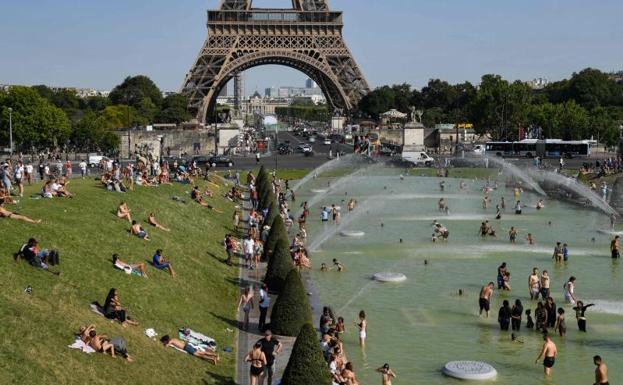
(188, 348)
(161, 266)
(142, 234)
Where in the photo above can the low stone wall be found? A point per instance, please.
(166, 142)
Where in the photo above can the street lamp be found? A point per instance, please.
(11, 131)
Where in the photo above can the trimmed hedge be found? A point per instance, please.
(273, 212)
(306, 365)
(291, 310)
(279, 265)
(277, 230)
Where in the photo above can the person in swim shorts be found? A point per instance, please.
(549, 353)
(485, 298)
(601, 371)
(188, 348)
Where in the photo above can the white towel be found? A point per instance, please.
(79, 344)
(96, 309)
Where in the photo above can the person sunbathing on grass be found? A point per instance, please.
(137, 230)
(100, 344)
(123, 212)
(188, 348)
(152, 221)
(162, 264)
(4, 213)
(196, 196)
(137, 268)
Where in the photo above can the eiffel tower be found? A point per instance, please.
(307, 37)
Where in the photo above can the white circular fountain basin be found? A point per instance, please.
(390, 277)
(318, 191)
(352, 234)
(609, 232)
(470, 370)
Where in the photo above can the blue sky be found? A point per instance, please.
(96, 44)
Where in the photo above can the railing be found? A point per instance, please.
(274, 16)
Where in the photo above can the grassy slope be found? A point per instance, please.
(35, 330)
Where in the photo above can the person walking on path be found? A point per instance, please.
(257, 359)
(246, 301)
(264, 304)
(271, 347)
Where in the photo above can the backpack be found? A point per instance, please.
(54, 258)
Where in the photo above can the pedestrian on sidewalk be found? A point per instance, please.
(264, 304)
(271, 348)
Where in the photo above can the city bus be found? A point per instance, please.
(548, 148)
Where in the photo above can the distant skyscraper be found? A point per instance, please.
(223, 92)
(310, 84)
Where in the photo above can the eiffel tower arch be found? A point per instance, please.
(307, 37)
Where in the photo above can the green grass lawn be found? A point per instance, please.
(36, 329)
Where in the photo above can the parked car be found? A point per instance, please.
(221, 161)
(420, 158)
(327, 141)
(94, 160)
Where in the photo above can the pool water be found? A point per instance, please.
(418, 325)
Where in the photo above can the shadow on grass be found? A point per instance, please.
(217, 379)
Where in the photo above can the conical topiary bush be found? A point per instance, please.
(279, 265)
(277, 230)
(306, 365)
(291, 310)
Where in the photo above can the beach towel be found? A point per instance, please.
(151, 333)
(95, 308)
(80, 345)
(197, 339)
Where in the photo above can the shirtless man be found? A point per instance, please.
(204, 355)
(137, 230)
(337, 265)
(601, 372)
(485, 298)
(534, 284)
(615, 247)
(386, 374)
(4, 213)
(549, 353)
(100, 344)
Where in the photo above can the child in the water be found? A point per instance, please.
(529, 322)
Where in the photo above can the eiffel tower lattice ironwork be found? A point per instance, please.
(307, 37)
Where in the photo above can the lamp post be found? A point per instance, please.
(11, 131)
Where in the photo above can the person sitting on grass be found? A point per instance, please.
(59, 189)
(123, 212)
(152, 221)
(188, 348)
(4, 213)
(137, 268)
(137, 230)
(39, 258)
(162, 264)
(46, 190)
(4, 198)
(113, 310)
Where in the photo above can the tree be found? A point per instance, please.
(306, 365)
(291, 310)
(279, 265)
(603, 126)
(277, 231)
(573, 120)
(36, 123)
(376, 102)
(592, 88)
(174, 110)
(91, 134)
(141, 93)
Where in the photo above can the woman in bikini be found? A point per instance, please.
(246, 301)
(4, 213)
(258, 362)
(152, 221)
(363, 328)
(123, 212)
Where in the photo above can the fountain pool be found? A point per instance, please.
(422, 323)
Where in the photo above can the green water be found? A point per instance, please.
(418, 325)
